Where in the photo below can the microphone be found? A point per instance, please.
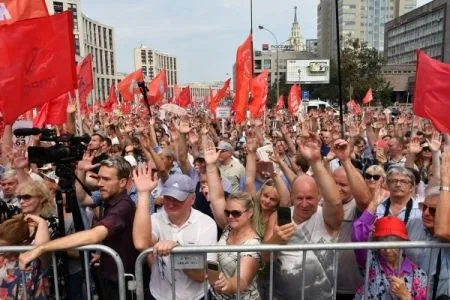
(26, 131)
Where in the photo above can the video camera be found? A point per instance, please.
(67, 149)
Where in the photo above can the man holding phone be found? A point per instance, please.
(310, 223)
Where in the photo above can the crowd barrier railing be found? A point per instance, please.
(85, 249)
(335, 247)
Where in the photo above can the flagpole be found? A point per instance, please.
(338, 39)
(80, 124)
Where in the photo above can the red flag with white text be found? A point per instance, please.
(128, 87)
(38, 70)
(157, 88)
(16, 10)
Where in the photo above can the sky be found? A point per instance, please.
(202, 34)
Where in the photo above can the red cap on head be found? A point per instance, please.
(390, 226)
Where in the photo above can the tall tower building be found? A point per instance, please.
(362, 19)
(296, 40)
(152, 61)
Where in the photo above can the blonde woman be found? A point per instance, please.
(375, 176)
(240, 230)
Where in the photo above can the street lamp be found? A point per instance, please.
(278, 74)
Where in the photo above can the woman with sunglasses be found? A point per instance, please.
(239, 217)
(242, 216)
(392, 275)
(376, 176)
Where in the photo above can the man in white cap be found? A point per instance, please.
(177, 223)
(230, 167)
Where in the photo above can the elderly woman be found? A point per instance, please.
(391, 274)
(375, 175)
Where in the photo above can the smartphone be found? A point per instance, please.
(283, 216)
(213, 271)
(264, 152)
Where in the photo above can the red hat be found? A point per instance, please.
(390, 226)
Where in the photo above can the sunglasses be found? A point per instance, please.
(431, 210)
(426, 149)
(25, 197)
(370, 176)
(234, 213)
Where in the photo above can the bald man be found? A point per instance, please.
(311, 223)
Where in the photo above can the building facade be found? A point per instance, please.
(296, 41)
(201, 90)
(152, 61)
(311, 45)
(362, 19)
(426, 27)
(91, 37)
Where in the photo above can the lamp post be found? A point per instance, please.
(278, 74)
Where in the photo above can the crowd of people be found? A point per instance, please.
(166, 181)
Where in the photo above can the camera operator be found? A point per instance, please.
(114, 229)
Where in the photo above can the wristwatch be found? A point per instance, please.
(445, 188)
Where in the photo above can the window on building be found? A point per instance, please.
(58, 7)
(258, 64)
(73, 8)
(76, 38)
(267, 64)
(110, 39)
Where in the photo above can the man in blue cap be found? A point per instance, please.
(177, 223)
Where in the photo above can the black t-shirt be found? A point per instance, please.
(99, 159)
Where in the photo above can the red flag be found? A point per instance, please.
(15, 10)
(368, 97)
(53, 112)
(243, 78)
(215, 101)
(356, 109)
(85, 80)
(126, 107)
(280, 103)
(294, 99)
(259, 94)
(128, 86)
(37, 63)
(176, 91)
(185, 97)
(111, 102)
(157, 88)
(432, 92)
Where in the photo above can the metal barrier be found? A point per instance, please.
(102, 248)
(335, 247)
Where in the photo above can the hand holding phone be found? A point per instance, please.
(213, 271)
(283, 216)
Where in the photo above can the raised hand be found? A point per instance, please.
(85, 164)
(435, 142)
(152, 121)
(193, 137)
(310, 147)
(184, 126)
(18, 159)
(211, 155)
(342, 150)
(414, 146)
(71, 108)
(143, 178)
(252, 144)
(368, 117)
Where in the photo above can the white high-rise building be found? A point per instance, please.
(91, 37)
(362, 19)
(152, 61)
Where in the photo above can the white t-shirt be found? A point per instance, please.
(199, 229)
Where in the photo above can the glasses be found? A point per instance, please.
(370, 176)
(431, 210)
(25, 197)
(234, 213)
(396, 181)
(426, 149)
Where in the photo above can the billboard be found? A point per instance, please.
(315, 71)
